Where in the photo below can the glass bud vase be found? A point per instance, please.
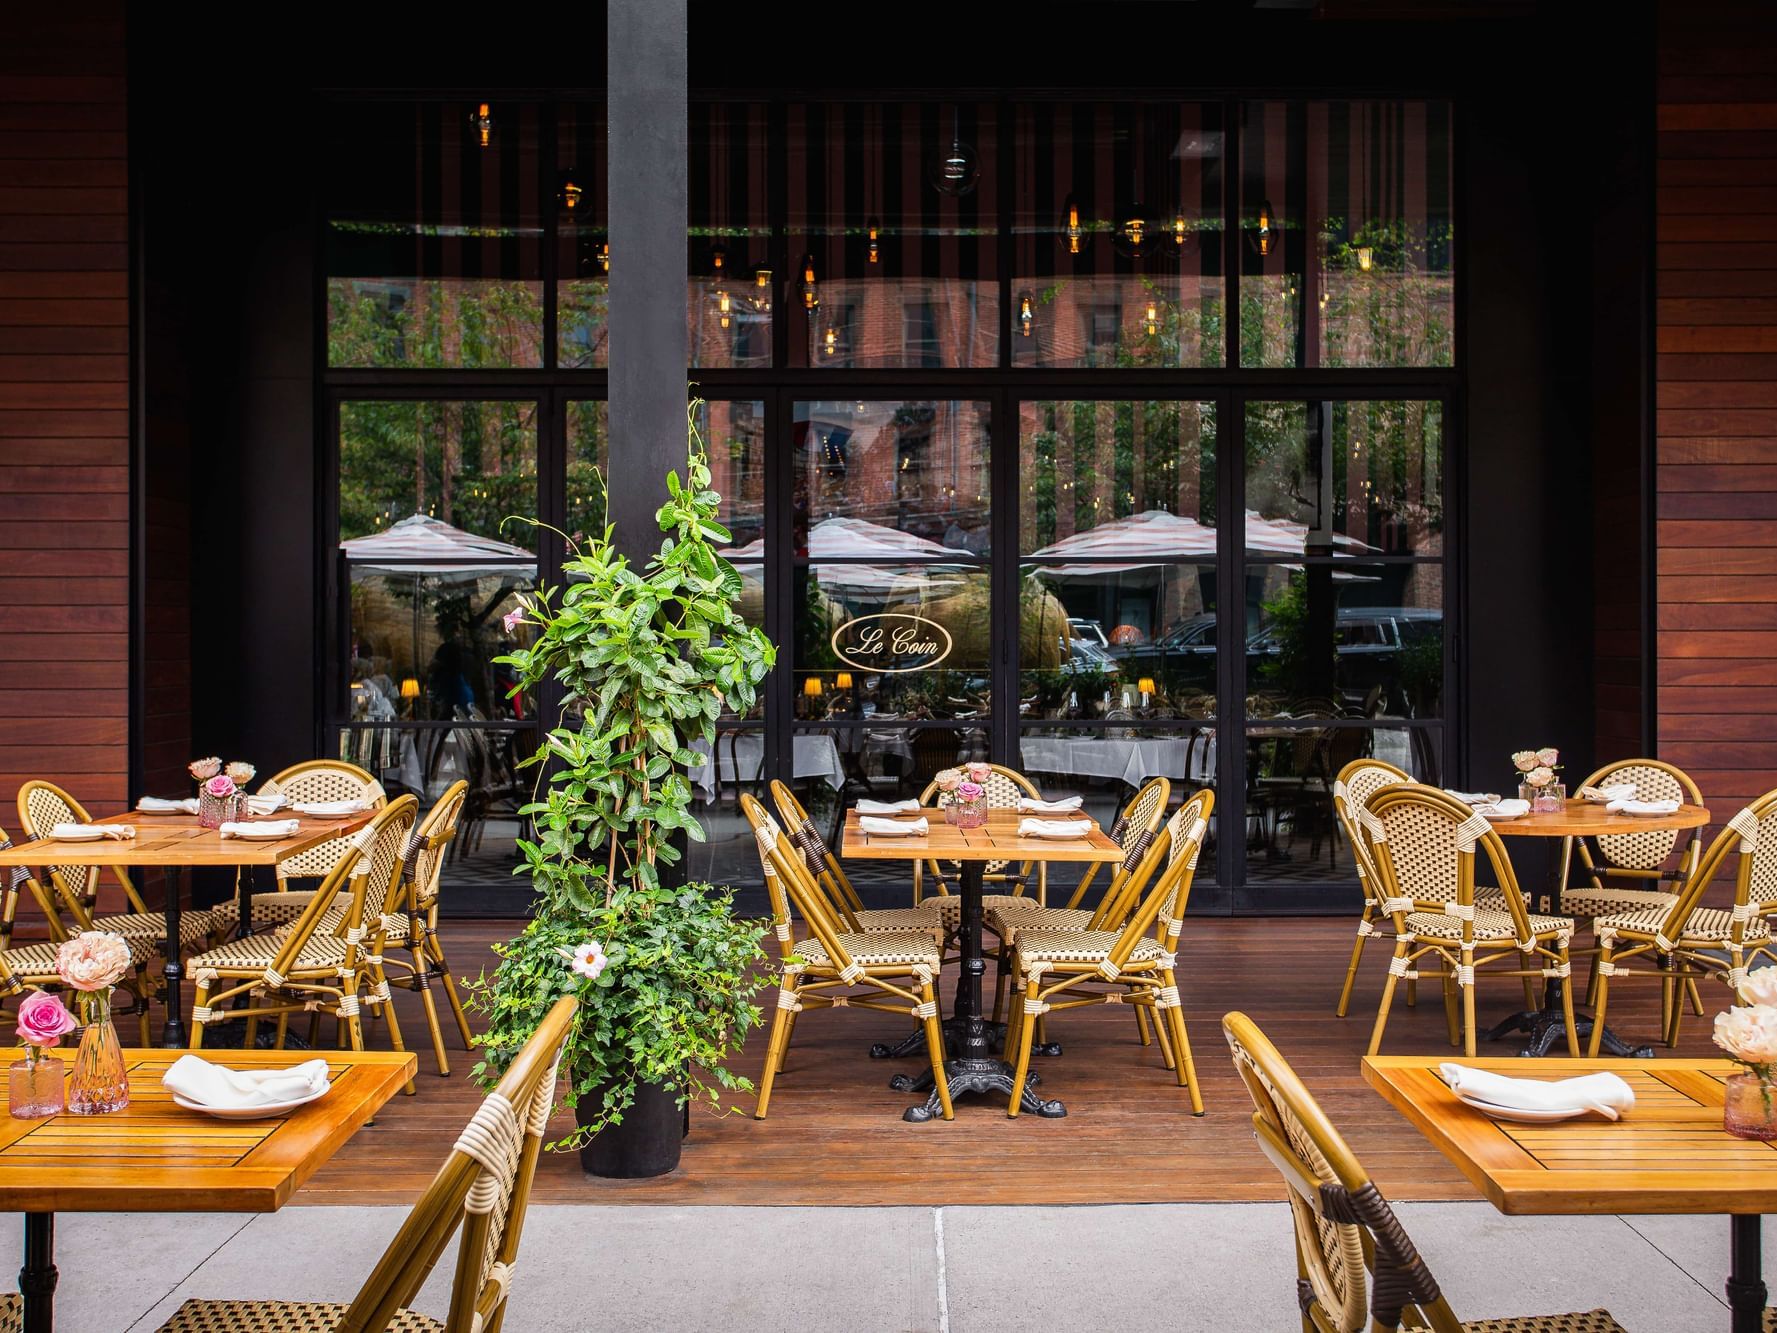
(1544, 800)
(213, 811)
(34, 1086)
(1749, 1107)
(949, 804)
(100, 1082)
(971, 814)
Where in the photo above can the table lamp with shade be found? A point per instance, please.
(410, 691)
(1145, 686)
(812, 689)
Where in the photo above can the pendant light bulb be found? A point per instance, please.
(1153, 319)
(1072, 232)
(724, 307)
(482, 122)
(604, 256)
(1365, 258)
(1265, 228)
(811, 296)
(1179, 232)
(1027, 315)
(873, 254)
(830, 341)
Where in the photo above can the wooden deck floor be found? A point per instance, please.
(835, 1135)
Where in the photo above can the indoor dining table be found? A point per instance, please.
(1576, 819)
(1669, 1154)
(972, 1066)
(173, 842)
(155, 1156)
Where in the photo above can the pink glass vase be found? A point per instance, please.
(34, 1086)
(1749, 1107)
(971, 814)
(100, 1082)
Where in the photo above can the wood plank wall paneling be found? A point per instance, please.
(1716, 396)
(64, 403)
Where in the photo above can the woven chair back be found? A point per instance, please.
(1355, 784)
(1752, 834)
(1343, 1225)
(43, 805)
(16, 878)
(1177, 845)
(370, 867)
(1654, 781)
(1135, 830)
(322, 780)
(766, 833)
(1425, 843)
(423, 870)
(484, 1188)
(819, 858)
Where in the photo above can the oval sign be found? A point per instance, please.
(890, 642)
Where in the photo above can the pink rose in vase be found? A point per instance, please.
(970, 813)
(43, 1020)
(978, 772)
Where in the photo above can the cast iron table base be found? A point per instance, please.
(914, 1043)
(173, 1035)
(970, 1039)
(1746, 1284)
(37, 1279)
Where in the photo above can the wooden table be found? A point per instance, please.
(153, 1156)
(174, 842)
(1577, 819)
(973, 1066)
(1668, 1155)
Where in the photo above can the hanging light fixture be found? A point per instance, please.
(1027, 315)
(1073, 233)
(1153, 320)
(571, 193)
(724, 308)
(1365, 257)
(955, 170)
(1179, 231)
(811, 295)
(830, 341)
(1134, 235)
(872, 254)
(760, 298)
(605, 256)
(1265, 228)
(481, 120)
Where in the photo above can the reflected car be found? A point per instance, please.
(1184, 656)
(1087, 629)
(1375, 647)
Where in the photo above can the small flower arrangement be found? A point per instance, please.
(92, 962)
(43, 1020)
(1536, 778)
(221, 789)
(34, 1084)
(1747, 1033)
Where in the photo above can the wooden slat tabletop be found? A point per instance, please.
(154, 1156)
(177, 840)
(1587, 819)
(996, 840)
(1667, 1155)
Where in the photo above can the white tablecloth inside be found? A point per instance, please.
(813, 756)
(1131, 761)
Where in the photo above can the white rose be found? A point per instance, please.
(1748, 1034)
(1539, 777)
(1549, 757)
(1760, 987)
(1524, 760)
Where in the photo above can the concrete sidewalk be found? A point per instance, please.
(884, 1270)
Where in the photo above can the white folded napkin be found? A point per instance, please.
(267, 803)
(260, 828)
(1066, 805)
(907, 807)
(1054, 828)
(159, 805)
(1511, 808)
(1616, 791)
(892, 828)
(121, 832)
(357, 805)
(1604, 1093)
(197, 1080)
(1642, 808)
(1473, 797)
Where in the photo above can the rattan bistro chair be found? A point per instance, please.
(897, 971)
(303, 968)
(43, 805)
(1425, 841)
(1689, 940)
(1357, 1269)
(484, 1188)
(1355, 784)
(843, 900)
(313, 780)
(1068, 969)
(1005, 788)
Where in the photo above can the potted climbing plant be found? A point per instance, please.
(666, 973)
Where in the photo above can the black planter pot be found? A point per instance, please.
(646, 1143)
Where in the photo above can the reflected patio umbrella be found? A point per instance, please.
(1155, 538)
(849, 544)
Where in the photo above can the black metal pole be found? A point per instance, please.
(1746, 1285)
(37, 1279)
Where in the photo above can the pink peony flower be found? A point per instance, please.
(1548, 757)
(1760, 987)
(43, 1020)
(239, 773)
(1748, 1034)
(93, 960)
(512, 619)
(201, 769)
(1524, 760)
(220, 786)
(978, 772)
(1539, 777)
(948, 779)
(970, 791)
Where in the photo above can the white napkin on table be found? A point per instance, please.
(907, 807)
(1616, 791)
(197, 1080)
(1054, 828)
(267, 803)
(1604, 1093)
(357, 805)
(1066, 805)
(1642, 808)
(1473, 797)
(892, 828)
(121, 832)
(159, 805)
(1512, 808)
(262, 828)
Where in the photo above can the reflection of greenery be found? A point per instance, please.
(427, 323)
(1422, 673)
(467, 463)
(1291, 670)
